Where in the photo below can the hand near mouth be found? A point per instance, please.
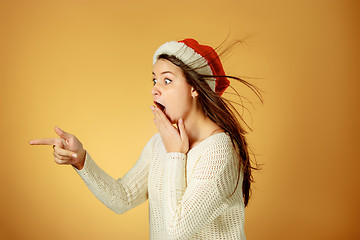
(175, 140)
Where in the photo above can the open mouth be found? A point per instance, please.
(160, 106)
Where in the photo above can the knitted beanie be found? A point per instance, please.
(203, 59)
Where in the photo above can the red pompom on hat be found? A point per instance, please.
(201, 58)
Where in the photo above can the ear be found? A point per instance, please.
(194, 93)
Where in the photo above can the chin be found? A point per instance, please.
(173, 120)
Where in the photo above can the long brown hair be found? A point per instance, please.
(223, 113)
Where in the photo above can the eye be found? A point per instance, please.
(167, 81)
(154, 81)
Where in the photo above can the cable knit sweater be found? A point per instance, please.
(191, 196)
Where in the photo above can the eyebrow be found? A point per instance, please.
(165, 73)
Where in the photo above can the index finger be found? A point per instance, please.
(161, 115)
(43, 141)
(162, 122)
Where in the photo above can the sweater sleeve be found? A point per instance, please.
(124, 193)
(189, 208)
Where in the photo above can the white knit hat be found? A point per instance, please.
(203, 59)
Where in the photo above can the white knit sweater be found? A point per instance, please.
(190, 196)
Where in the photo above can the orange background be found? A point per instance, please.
(86, 67)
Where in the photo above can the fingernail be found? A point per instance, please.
(74, 155)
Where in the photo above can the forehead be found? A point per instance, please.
(163, 65)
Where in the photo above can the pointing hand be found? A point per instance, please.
(67, 148)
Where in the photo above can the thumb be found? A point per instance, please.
(183, 134)
(62, 133)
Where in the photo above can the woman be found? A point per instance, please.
(196, 171)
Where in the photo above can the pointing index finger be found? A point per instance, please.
(43, 141)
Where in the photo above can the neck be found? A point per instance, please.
(199, 126)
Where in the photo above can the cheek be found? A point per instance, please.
(182, 105)
(180, 102)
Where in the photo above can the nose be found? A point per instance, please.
(155, 91)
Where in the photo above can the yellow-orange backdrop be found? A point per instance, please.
(86, 67)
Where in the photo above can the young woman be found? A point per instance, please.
(196, 171)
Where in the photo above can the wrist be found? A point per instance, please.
(80, 161)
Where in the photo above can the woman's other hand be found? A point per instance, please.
(67, 149)
(175, 140)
